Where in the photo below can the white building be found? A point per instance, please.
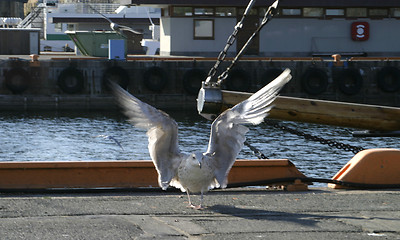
(302, 28)
(56, 18)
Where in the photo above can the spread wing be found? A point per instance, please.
(228, 133)
(162, 132)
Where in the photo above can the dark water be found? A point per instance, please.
(77, 137)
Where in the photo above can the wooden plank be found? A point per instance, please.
(123, 174)
(380, 118)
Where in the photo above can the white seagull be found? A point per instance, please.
(199, 171)
(117, 27)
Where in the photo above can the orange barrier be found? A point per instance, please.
(372, 166)
(124, 174)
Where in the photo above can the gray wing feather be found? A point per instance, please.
(162, 132)
(227, 133)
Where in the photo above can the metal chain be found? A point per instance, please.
(256, 151)
(331, 143)
(267, 16)
(222, 55)
(231, 39)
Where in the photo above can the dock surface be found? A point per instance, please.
(237, 213)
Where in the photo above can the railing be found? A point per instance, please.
(31, 16)
(85, 8)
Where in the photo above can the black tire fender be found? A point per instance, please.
(115, 74)
(17, 80)
(155, 79)
(192, 80)
(269, 75)
(314, 81)
(238, 80)
(349, 81)
(71, 80)
(388, 79)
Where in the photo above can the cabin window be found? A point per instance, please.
(313, 12)
(71, 27)
(182, 11)
(291, 12)
(253, 11)
(203, 29)
(356, 12)
(334, 12)
(395, 12)
(58, 27)
(225, 12)
(204, 11)
(378, 12)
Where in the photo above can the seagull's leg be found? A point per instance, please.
(190, 202)
(199, 207)
(201, 200)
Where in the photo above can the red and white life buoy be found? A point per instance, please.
(360, 31)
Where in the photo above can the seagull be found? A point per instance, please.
(111, 138)
(198, 172)
(117, 27)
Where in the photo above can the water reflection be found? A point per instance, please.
(71, 136)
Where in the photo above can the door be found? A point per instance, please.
(250, 24)
(34, 42)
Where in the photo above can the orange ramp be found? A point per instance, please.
(125, 174)
(379, 166)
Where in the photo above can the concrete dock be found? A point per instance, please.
(237, 213)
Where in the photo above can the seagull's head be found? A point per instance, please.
(114, 26)
(196, 159)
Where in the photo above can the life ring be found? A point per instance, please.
(155, 79)
(238, 80)
(71, 80)
(269, 75)
(314, 81)
(192, 80)
(116, 74)
(388, 79)
(17, 80)
(349, 81)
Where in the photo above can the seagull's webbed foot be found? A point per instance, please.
(198, 207)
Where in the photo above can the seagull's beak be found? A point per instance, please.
(199, 164)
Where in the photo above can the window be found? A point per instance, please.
(225, 12)
(356, 12)
(253, 11)
(71, 27)
(291, 12)
(203, 29)
(395, 12)
(204, 11)
(58, 27)
(182, 11)
(313, 12)
(378, 12)
(334, 12)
